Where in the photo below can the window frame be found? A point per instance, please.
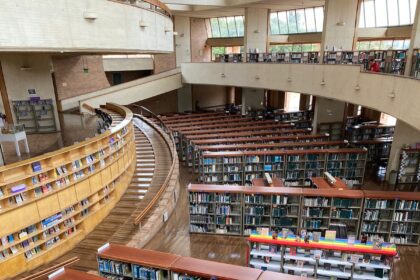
(238, 34)
(305, 23)
(362, 13)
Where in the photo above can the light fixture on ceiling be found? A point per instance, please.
(257, 77)
(175, 33)
(223, 75)
(392, 94)
(256, 31)
(323, 83)
(289, 79)
(340, 23)
(25, 67)
(357, 87)
(168, 29)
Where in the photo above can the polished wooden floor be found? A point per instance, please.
(175, 238)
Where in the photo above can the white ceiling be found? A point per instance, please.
(214, 8)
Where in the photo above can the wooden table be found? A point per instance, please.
(261, 182)
(322, 183)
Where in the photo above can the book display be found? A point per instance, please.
(123, 262)
(321, 257)
(386, 216)
(54, 200)
(415, 68)
(295, 166)
(36, 116)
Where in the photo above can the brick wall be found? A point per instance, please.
(200, 52)
(164, 62)
(72, 80)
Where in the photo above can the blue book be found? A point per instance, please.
(36, 166)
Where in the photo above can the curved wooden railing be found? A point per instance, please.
(43, 274)
(172, 148)
(155, 5)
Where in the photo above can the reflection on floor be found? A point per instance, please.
(175, 238)
(74, 128)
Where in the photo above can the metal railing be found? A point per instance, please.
(152, 5)
(171, 145)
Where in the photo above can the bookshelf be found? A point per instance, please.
(394, 217)
(36, 116)
(56, 199)
(391, 216)
(127, 261)
(333, 129)
(279, 57)
(408, 170)
(295, 166)
(322, 258)
(369, 132)
(378, 149)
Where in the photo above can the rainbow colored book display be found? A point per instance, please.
(337, 245)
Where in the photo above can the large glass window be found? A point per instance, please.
(295, 48)
(297, 21)
(223, 27)
(383, 13)
(383, 45)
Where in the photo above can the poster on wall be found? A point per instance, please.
(32, 95)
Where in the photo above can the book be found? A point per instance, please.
(316, 236)
(379, 272)
(36, 166)
(330, 235)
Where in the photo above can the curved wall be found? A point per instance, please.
(50, 25)
(395, 95)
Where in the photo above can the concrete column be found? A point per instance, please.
(327, 110)
(200, 52)
(182, 40)
(415, 40)
(256, 29)
(340, 24)
(404, 135)
(253, 98)
(185, 98)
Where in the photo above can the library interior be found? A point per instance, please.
(209, 140)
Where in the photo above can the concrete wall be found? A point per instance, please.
(37, 76)
(256, 29)
(127, 76)
(130, 92)
(185, 102)
(252, 97)
(209, 95)
(200, 52)
(393, 95)
(339, 24)
(328, 110)
(182, 40)
(50, 25)
(71, 79)
(164, 103)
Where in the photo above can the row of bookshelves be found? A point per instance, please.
(409, 166)
(237, 210)
(45, 181)
(122, 262)
(242, 167)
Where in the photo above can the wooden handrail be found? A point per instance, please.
(43, 274)
(171, 147)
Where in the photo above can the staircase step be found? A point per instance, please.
(142, 179)
(140, 165)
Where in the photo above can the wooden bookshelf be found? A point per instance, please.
(409, 167)
(334, 130)
(339, 258)
(119, 261)
(51, 202)
(313, 210)
(295, 166)
(369, 132)
(194, 153)
(392, 216)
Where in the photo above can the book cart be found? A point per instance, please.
(122, 262)
(321, 258)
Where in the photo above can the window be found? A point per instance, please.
(292, 102)
(295, 48)
(387, 119)
(297, 21)
(215, 51)
(224, 27)
(383, 13)
(383, 45)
